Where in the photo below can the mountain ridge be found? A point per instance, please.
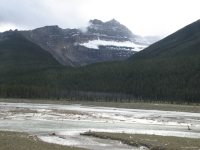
(113, 25)
(69, 46)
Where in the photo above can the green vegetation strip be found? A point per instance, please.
(23, 141)
(153, 142)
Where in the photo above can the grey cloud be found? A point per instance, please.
(37, 13)
(142, 17)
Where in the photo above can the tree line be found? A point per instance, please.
(174, 80)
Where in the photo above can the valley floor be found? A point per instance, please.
(114, 127)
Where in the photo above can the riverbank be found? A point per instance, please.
(19, 141)
(193, 108)
(152, 142)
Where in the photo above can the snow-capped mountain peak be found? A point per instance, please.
(112, 33)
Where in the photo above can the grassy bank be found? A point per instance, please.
(153, 142)
(23, 141)
(134, 105)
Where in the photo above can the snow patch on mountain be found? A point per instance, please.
(94, 44)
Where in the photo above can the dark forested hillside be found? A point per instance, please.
(184, 42)
(16, 51)
(168, 71)
(23, 64)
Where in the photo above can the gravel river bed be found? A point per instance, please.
(68, 121)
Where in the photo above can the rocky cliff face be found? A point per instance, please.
(111, 30)
(98, 42)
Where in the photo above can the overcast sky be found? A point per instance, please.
(142, 17)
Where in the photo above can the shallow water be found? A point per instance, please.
(68, 121)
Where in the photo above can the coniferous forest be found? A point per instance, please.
(167, 71)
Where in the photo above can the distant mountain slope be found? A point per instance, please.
(184, 42)
(23, 62)
(66, 46)
(99, 42)
(18, 51)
